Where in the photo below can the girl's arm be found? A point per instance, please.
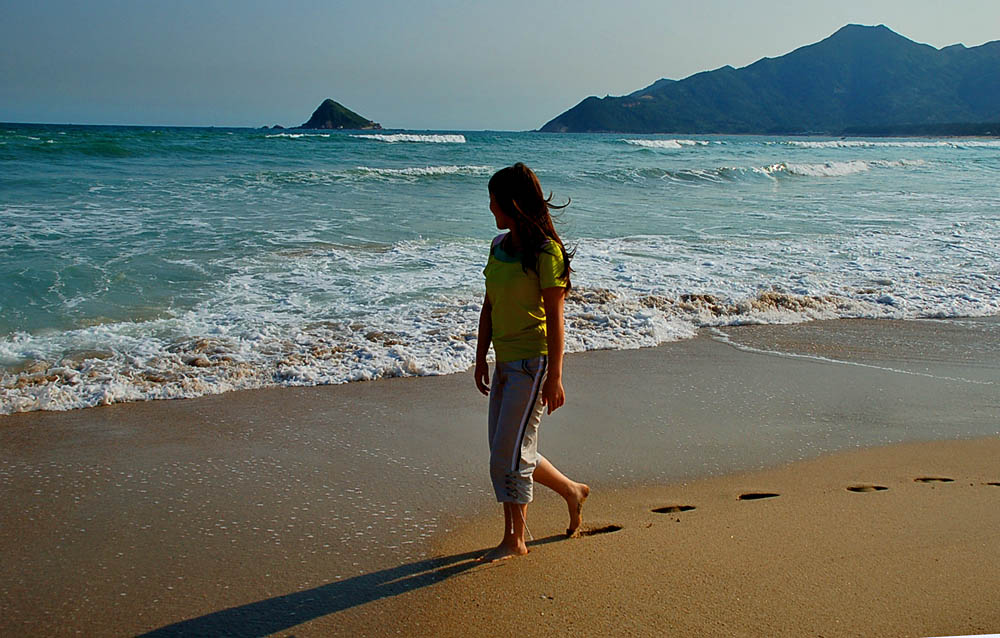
(482, 371)
(553, 395)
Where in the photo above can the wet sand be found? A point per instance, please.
(356, 509)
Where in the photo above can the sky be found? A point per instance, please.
(413, 64)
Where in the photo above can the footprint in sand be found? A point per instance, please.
(672, 509)
(867, 488)
(592, 531)
(933, 479)
(756, 496)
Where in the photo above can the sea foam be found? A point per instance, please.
(425, 171)
(729, 174)
(293, 319)
(669, 144)
(836, 169)
(297, 135)
(893, 144)
(411, 137)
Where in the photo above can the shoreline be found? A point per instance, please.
(72, 383)
(133, 517)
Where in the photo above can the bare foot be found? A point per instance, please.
(575, 505)
(503, 551)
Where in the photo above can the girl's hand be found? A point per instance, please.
(482, 374)
(553, 395)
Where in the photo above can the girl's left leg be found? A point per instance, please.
(572, 492)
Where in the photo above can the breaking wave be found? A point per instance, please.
(410, 137)
(297, 135)
(892, 144)
(671, 144)
(420, 342)
(237, 342)
(724, 174)
(426, 171)
(837, 169)
(277, 179)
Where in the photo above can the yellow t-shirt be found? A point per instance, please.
(518, 312)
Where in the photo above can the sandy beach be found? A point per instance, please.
(894, 541)
(360, 509)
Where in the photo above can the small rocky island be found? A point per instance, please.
(331, 114)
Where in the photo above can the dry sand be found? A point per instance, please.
(912, 553)
(358, 509)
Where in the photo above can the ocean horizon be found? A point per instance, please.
(146, 262)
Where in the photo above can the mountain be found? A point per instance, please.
(332, 114)
(859, 78)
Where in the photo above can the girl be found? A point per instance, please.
(527, 277)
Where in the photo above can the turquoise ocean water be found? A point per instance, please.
(143, 263)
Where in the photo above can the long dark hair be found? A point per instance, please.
(519, 194)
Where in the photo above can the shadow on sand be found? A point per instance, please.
(268, 616)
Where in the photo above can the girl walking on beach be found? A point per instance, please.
(527, 277)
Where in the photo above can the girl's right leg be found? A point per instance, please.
(513, 543)
(574, 493)
(513, 433)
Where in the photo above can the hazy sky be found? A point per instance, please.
(436, 64)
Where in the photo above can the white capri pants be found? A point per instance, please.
(515, 412)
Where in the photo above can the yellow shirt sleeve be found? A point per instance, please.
(550, 267)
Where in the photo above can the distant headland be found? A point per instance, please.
(331, 114)
(862, 80)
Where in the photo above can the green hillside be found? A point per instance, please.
(860, 77)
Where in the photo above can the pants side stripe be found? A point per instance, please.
(535, 387)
